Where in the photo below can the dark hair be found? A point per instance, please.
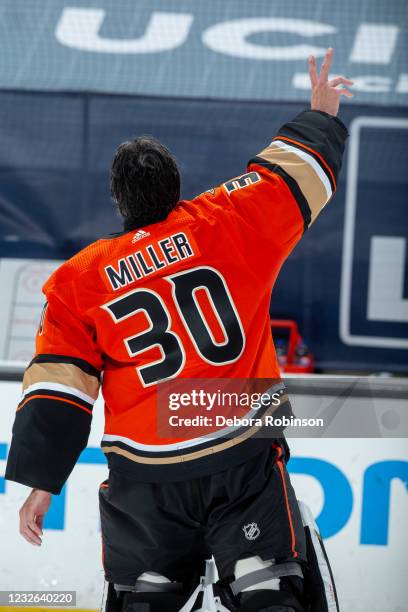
(145, 181)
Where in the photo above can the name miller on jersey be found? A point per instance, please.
(149, 259)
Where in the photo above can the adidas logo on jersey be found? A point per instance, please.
(139, 235)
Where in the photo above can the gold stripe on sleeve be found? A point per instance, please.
(63, 373)
(305, 176)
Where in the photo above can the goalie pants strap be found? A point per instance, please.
(259, 576)
(143, 586)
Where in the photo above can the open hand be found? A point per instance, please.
(32, 514)
(326, 94)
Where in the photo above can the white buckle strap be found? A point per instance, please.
(274, 571)
(205, 586)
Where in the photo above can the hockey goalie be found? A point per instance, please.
(183, 293)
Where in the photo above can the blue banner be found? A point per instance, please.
(346, 284)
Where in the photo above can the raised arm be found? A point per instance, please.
(307, 151)
(291, 180)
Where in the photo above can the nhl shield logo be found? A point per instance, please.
(251, 531)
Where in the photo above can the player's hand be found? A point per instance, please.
(32, 514)
(326, 94)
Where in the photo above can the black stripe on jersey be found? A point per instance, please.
(284, 409)
(298, 145)
(52, 394)
(76, 361)
(177, 452)
(209, 443)
(46, 444)
(321, 132)
(293, 186)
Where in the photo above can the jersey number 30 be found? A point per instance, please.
(185, 285)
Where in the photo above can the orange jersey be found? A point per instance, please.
(187, 297)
